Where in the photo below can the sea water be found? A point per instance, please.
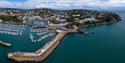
(107, 45)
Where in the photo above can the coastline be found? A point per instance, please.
(97, 24)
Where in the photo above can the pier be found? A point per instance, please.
(5, 44)
(42, 53)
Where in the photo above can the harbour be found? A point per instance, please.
(45, 51)
(16, 38)
(89, 50)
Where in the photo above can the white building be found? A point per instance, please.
(0, 20)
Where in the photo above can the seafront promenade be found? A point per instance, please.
(43, 52)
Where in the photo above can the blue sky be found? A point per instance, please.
(14, 0)
(63, 4)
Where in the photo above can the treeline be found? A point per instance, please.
(9, 18)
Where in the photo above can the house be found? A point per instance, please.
(87, 19)
(0, 20)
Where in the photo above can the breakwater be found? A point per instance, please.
(43, 52)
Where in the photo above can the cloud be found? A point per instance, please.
(63, 3)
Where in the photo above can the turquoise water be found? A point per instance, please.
(19, 43)
(107, 45)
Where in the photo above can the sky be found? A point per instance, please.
(62, 4)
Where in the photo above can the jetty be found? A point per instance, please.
(43, 52)
(5, 44)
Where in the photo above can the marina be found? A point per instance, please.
(96, 47)
(53, 34)
(42, 53)
(37, 35)
(12, 29)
